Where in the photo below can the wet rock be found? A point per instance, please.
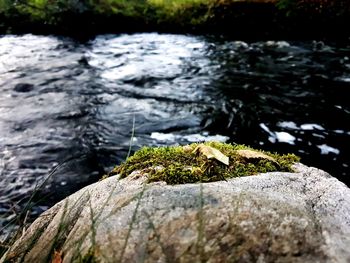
(273, 217)
(23, 87)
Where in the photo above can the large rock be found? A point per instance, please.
(273, 217)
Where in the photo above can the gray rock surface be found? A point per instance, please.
(273, 217)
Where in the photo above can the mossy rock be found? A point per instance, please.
(279, 217)
(185, 164)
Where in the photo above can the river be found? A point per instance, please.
(80, 105)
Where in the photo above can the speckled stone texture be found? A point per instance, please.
(272, 217)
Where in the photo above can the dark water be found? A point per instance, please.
(61, 100)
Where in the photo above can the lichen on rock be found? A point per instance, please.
(203, 162)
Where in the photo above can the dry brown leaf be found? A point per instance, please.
(57, 257)
(211, 152)
(249, 154)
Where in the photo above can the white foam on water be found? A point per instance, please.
(285, 137)
(326, 149)
(311, 126)
(288, 125)
(204, 137)
(278, 136)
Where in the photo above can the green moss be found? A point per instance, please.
(179, 165)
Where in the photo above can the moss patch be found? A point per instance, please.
(183, 164)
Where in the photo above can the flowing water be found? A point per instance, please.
(74, 103)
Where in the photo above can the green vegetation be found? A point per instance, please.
(154, 11)
(315, 7)
(241, 18)
(178, 165)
